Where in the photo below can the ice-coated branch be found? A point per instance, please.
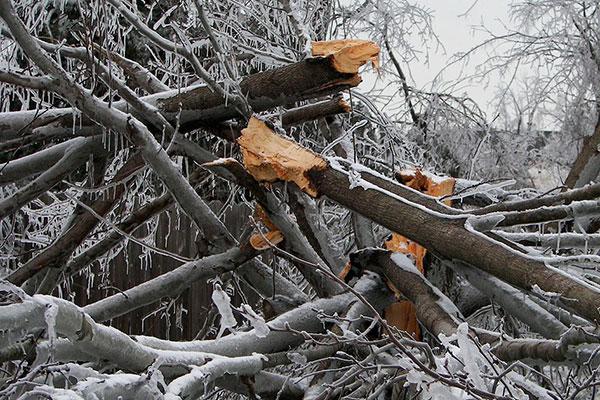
(70, 321)
(193, 384)
(128, 225)
(292, 117)
(439, 315)
(76, 154)
(563, 240)
(284, 328)
(169, 284)
(311, 223)
(135, 71)
(582, 208)
(334, 133)
(300, 28)
(140, 75)
(414, 215)
(38, 162)
(587, 192)
(133, 129)
(231, 170)
(54, 255)
(513, 301)
(31, 82)
(146, 111)
(314, 111)
(197, 105)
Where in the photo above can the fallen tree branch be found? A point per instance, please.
(284, 328)
(24, 167)
(169, 284)
(435, 311)
(294, 238)
(583, 208)
(195, 106)
(27, 81)
(440, 316)
(563, 240)
(410, 213)
(512, 300)
(584, 193)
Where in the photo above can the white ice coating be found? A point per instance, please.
(223, 304)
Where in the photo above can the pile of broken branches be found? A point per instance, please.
(323, 332)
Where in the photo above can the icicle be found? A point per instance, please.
(558, 236)
(50, 319)
(223, 304)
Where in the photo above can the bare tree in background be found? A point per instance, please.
(241, 126)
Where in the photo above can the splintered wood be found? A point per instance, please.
(269, 157)
(403, 314)
(348, 55)
(264, 241)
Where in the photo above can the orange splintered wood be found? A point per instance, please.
(345, 105)
(348, 55)
(261, 215)
(419, 181)
(402, 314)
(269, 157)
(265, 241)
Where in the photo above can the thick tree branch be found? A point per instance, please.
(36, 163)
(414, 215)
(31, 82)
(435, 311)
(583, 193)
(512, 300)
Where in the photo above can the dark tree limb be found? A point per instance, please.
(414, 215)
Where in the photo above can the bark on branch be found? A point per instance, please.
(199, 105)
(269, 157)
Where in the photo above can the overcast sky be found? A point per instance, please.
(456, 24)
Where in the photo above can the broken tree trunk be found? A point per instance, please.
(269, 158)
(435, 311)
(440, 316)
(402, 314)
(197, 105)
